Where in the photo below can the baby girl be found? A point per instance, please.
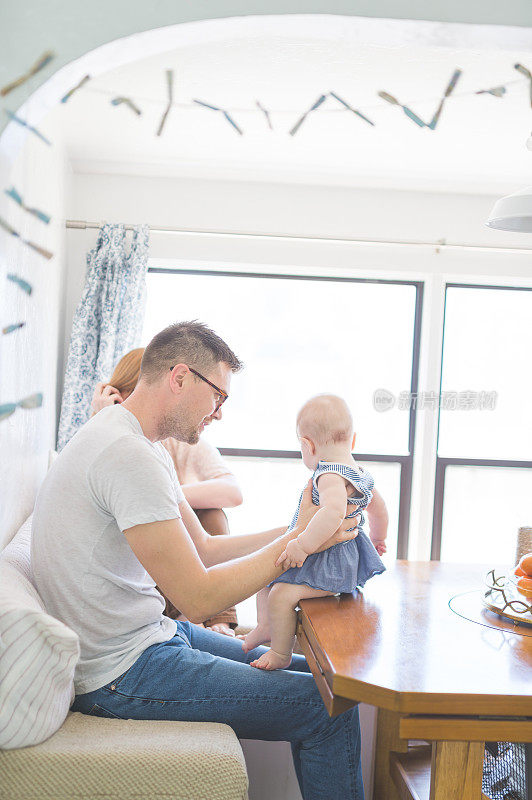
(325, 433)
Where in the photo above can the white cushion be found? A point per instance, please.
(17, 553)
(38, 654)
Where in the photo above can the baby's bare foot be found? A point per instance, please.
(257, 636)
(272, 660)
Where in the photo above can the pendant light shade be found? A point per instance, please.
(513, 213)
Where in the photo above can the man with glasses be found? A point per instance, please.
(111, 522)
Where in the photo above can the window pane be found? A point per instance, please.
(488, 348)
(298, 338)
(482, 511)
(271, 489)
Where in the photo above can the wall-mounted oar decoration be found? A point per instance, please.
(413, 116)
(14, 327)
(350, 108)
(39, 64)
(20, 282)
(33, 401)
(266, 114)
(34, 211)
(526, 72)
(25, 124)
(222, 111)
(496, 91)
(38, 249)
(321, 99)
(75, 88)
(126, 101)
(170, 88)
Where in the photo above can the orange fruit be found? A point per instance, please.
(526, 564)
(520, 572)
(524, 585)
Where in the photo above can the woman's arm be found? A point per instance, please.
(205, 478)
(221, 492)
(218, 549)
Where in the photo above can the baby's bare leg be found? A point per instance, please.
(282, 602)
(261, 633)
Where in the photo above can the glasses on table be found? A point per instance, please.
(223, 395)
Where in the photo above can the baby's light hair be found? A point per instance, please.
(325, 419)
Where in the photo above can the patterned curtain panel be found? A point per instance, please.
(108, 320)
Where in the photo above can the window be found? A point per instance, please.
(483, 508)
(298, 337)
(488, 349)
(484, 472)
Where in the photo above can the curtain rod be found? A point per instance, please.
(437, 245)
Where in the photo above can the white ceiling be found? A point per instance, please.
(286, 63)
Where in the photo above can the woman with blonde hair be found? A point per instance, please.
(207, 483)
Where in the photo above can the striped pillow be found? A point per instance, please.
(38, 654)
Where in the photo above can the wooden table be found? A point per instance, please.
(417, 644)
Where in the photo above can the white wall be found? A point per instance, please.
(28, 356)
(297, 210)
(293, 208)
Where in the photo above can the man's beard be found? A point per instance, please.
(178, 426)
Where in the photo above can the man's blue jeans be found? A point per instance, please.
(203, 676)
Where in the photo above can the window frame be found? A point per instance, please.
(443, 462)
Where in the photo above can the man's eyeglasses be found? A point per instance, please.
(223, 395)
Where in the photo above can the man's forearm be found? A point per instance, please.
(218, 549)
(229, 584)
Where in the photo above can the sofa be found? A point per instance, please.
(47, 751)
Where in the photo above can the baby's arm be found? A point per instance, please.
(333, 496)
(378, 522)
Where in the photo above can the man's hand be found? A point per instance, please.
(307, 509)
(293, 555)
(346, 531)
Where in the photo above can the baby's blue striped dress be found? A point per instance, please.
(344, 566)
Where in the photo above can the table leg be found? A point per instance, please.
(388, 741)
(456, 772)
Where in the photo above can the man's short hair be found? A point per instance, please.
(190, 343)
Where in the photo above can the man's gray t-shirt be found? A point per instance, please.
(108, 478)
